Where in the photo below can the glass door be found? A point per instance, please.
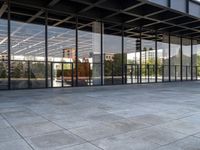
(62, 74)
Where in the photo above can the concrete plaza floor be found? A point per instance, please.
(130, 117)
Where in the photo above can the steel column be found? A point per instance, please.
(140, 56)
(102, 53)
(191, 59)
(169, 65)
(181, 58)
(9, 45)
(156, 58)
(46, 49)
(122, 63)
(76, 51)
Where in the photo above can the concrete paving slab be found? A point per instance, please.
(7, 134)
(19, 144)
(85, 146)
(54, 140)
(3, 124)
(36, 128)
(189, 143)
(147, 116)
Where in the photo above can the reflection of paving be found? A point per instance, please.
(130, 117)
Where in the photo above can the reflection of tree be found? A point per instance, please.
(150, 64)
(3, 73)
(116, 63)
(18, 70)
(38, 70)
(198, 65)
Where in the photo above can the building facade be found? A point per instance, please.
(65, 43)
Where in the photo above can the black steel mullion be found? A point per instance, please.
(72, 75)
(102, 53)
(46, 49)
(89, 78)
(148, 72)
(156, 58)
(76, 51)
(187, 6)
(51, 74)
(112, 74)
(181, 58)
(169, 3)
(175, 72)
(9, 45)
(62, 73)
(191, 59)
(140, 69)
(29, 75)
(186, 73)
(169, 65)
(131, 73)
(122, 63)
(163, 72)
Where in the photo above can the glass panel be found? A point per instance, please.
(175, 58)
(57, 74)
(194, 9)
(163, 57)
(61, 47)
(27, 46)
(186, 59)
(148, 57)
(161, 2)
(89, 53)
(3, 47)
(179, 5)
(37, 74)
(131, 57)
(67, 74)
(196, 59)
(19, 74)
(112, 59)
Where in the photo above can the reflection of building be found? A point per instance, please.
(109, 56)
(146, 56)
(69, 53)
(3, 56)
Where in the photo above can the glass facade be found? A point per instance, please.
(61, 53)
(175, 58)
(3, 50)
(131, 58)
(148, 54)
(196, 59)
(186, 59)
(85, 52)
(112, 59)
(163, 57)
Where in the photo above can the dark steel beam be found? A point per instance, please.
(3, 9)
(81, 11)
(53, 3)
